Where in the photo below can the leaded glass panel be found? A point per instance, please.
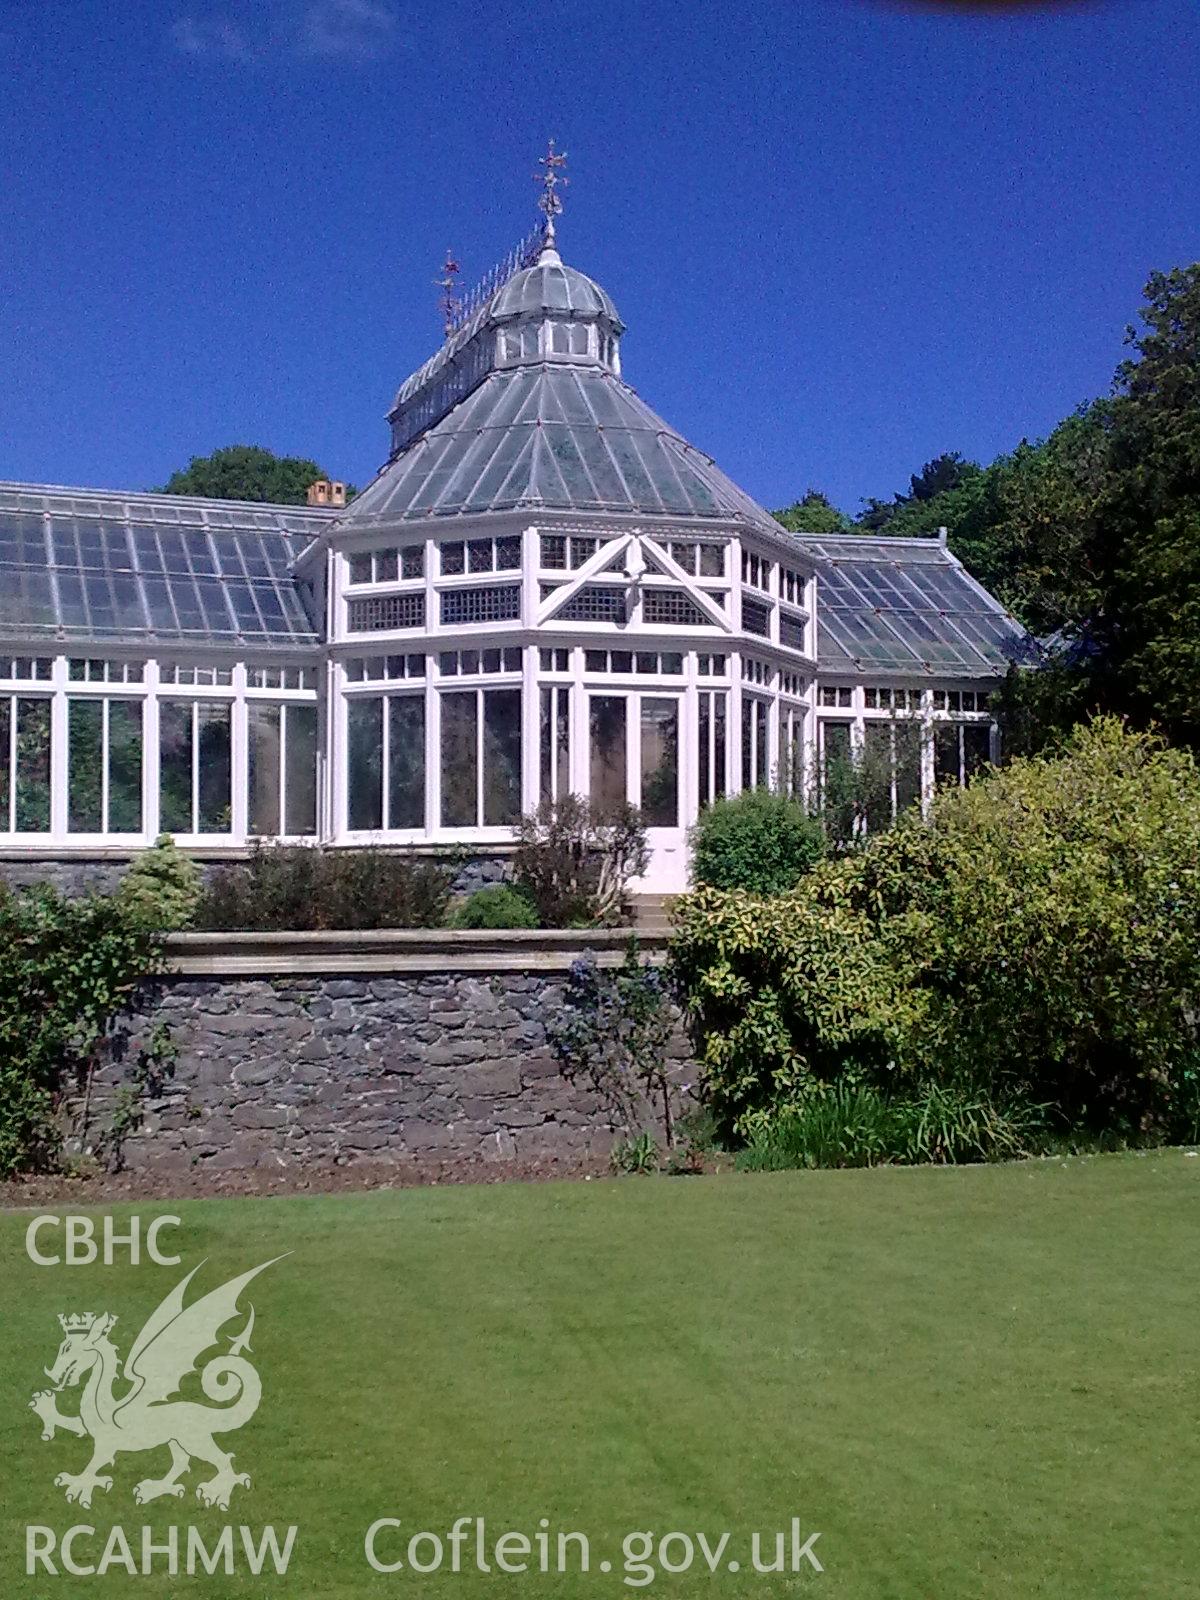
(214, 761)
(501, 757)
(264, 800)
(175, 766)
(124, 766)
(300, 769)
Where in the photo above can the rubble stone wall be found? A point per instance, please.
(314, 1068)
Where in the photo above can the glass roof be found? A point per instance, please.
(906, 606)
(91, 565)
(551, 286)
(546, 286)
(571, 438)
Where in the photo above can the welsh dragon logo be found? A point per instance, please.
(145, 1417)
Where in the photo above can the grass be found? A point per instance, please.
(973, 1382)
(861, 1127)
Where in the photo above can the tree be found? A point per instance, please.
(1021, 526)
(247, 472)
(875, 514)
(943, 473)
(1101, 534)
(1165, 377)
(814, 513)
(1149, 536)
(1092, 536)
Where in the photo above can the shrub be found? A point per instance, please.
(697, 1128)
(613, 1029)
(1037, 938)
(760, 840)
(68, 970)
(574, 861)
(786, 994)
(858, 1126)
(306, 888)
(162, 888)
(1061, 899)
(497, 906)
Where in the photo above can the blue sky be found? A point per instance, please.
(844, 235)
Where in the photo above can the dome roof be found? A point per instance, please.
(551, 286)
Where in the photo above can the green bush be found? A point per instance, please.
(574, 861)
(1060, 907)
(759, 840)
(786, 994)
(860, 1126)
(162, 888)
(305, 888)
(68, 971)
(496, 906)
(1036, 939)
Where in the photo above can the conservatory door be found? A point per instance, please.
(634, 755)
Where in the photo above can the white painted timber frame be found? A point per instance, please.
(625, 656)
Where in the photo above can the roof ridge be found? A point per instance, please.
(931, 540)
(80, 491)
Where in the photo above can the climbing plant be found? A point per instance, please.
(69, 973)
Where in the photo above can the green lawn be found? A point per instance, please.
(976, 1382)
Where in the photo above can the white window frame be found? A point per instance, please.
(614, 687)
(271, 698)
(479, 688)
(714, 691)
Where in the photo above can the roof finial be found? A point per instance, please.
(450, 304)
(550, 201)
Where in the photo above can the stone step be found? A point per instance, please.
(651, 912)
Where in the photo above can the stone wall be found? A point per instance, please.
(312, 1068)
(78, 874)
(70, 875)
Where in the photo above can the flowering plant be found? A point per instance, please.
(613, 1029)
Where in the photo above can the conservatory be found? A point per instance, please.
(545, 590)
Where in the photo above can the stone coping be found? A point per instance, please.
(401, 950)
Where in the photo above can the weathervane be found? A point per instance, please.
(449, 305)
(551, 178)
(456, 307)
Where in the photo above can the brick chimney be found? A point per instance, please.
(325, 493)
